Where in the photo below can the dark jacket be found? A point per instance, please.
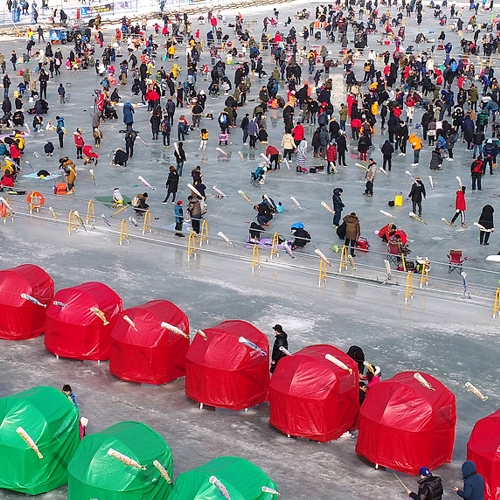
(352, 227)
(128, 113)
(338, 205)
(341, 144)
(172, 181)
(281, 340)
(429, 488)
(387, 149)
(417, 191)
(436, 160)
(486, 217)
(473, 482)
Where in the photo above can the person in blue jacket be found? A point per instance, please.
(128, 115)
(473, 483)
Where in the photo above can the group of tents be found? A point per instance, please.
(40, 450)
(404, 422)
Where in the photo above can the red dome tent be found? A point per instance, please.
(404, 425)
(146, 346)
(483, 449)
(311, 396)
(80, 320)
(24, 292)
(230, 367)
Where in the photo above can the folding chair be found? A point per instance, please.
(393, 253)
(455, 261)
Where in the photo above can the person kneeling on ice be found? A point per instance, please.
(139, 204)
(429, 487)
(259, 174)
(7, 180)
(387, 232)
(48, 149)
(301, 236)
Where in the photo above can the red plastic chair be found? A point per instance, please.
(455, 261)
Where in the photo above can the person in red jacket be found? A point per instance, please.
(79, 143)
(15, 153)
(7, 180)
(460, 207)
(273, 154)
(298, 133)
(331, 157)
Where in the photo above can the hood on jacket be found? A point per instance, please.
(128, 104)
(468, 469)
(302, 147)
(488, 208)
(351, 218)
(337, 192)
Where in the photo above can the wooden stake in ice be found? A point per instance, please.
(29, 441)
(411, 177)
(51, 210)
(217, 190)
(220, 487)
(431, 182)
(285, 350)
(221, 151)
(383, 171)
(146, 183)
(126, 460)
(337, 362)
(476, 391)
(31, 299)
(383, 212)
(421, 380)
(255, 347)
(459, 181)
(245, 196)
(202, 334)
(328, 207)
(322, 256)
(130, 322)
(174, 329)
(163, 472)
(296, 202)
(194, 190)
(266, 489)
(100, 315)
(225, 238)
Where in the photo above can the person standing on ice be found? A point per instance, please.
(429, 487)
(460, 206)
(473, 483)
(280, 340)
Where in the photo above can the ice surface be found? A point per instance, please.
(452, 338)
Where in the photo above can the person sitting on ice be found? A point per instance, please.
(117, 198)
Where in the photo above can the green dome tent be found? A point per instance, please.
(128, 460)
(38, 437)
(225, 477)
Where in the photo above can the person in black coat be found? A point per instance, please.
(155, 121)
(486, 221)
(387, 152)
(416, 194)
(281, 340)
(429, 487)
(341, 149)
(171, 184)
(338, 206)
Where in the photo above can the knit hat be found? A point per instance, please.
(179, 202)
(424, 471)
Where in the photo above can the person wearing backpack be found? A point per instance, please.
(429, 487)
